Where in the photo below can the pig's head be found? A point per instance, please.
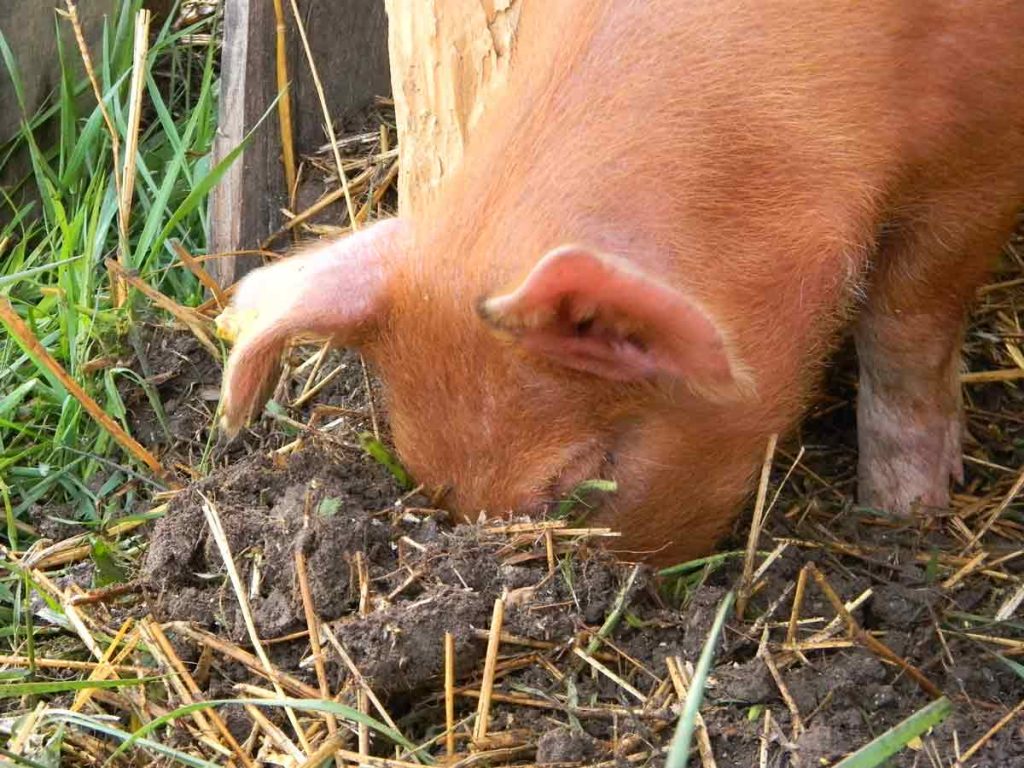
(510, 389)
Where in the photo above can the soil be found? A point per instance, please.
(176, 368)
(425, 577)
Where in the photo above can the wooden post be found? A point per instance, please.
(447, 58)
(348, 39)
(31, 30)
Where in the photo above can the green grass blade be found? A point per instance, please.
(15, 690)
(27, 273)
(203, 187)
(95, 724)
(12, 400)
(679, 753)
(578, 495)
(307, 705)
(380, 453)
(1017, 667)
(879, 750)
(13, 72)
(19, 760)
(693, 565)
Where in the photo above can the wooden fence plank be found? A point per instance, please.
(349, 43)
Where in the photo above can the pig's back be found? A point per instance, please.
(749, 151)
(677, 118)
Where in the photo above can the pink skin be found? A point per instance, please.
(297, 298)
(636, 326)
(655, 239)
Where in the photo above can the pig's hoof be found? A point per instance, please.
(906, 461)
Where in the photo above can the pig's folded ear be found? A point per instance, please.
(250, 377)
(599, 313)
(336, 291)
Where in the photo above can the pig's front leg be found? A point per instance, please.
(909, 336)
(908, 411)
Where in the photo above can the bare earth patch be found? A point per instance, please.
(425, 578)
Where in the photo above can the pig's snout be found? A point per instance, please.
(532, 492)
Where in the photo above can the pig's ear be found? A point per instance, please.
(598, 313)
(336, 291)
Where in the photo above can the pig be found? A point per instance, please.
(658, 234)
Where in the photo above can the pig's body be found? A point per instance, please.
(735, 180)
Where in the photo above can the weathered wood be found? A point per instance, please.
(448, 57)
(348, 39)
(31, 29)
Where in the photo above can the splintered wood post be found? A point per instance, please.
(348, 40)
(32, 30)
(448, 57)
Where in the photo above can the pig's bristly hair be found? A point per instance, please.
(756, 155)
(748, 153)
(252, 373)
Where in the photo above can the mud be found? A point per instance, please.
(424, 577)
(334, 507)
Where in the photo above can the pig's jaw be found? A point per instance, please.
(506, 492)
(670, 503)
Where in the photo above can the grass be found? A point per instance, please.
(82, 260)
(64, 218)
(108, 201)
(679, 753)
(81, 195)
(899, 736)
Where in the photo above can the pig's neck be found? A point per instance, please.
(686, 165)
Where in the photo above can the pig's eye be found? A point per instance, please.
(582, 327)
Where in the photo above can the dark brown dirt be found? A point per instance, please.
(425, 578)
(332, 503)
(179, 373)
(184, 378)
(268, 511)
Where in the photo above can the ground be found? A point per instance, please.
(389, 576)
(572, 657)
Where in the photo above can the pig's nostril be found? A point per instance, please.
(635, 341)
